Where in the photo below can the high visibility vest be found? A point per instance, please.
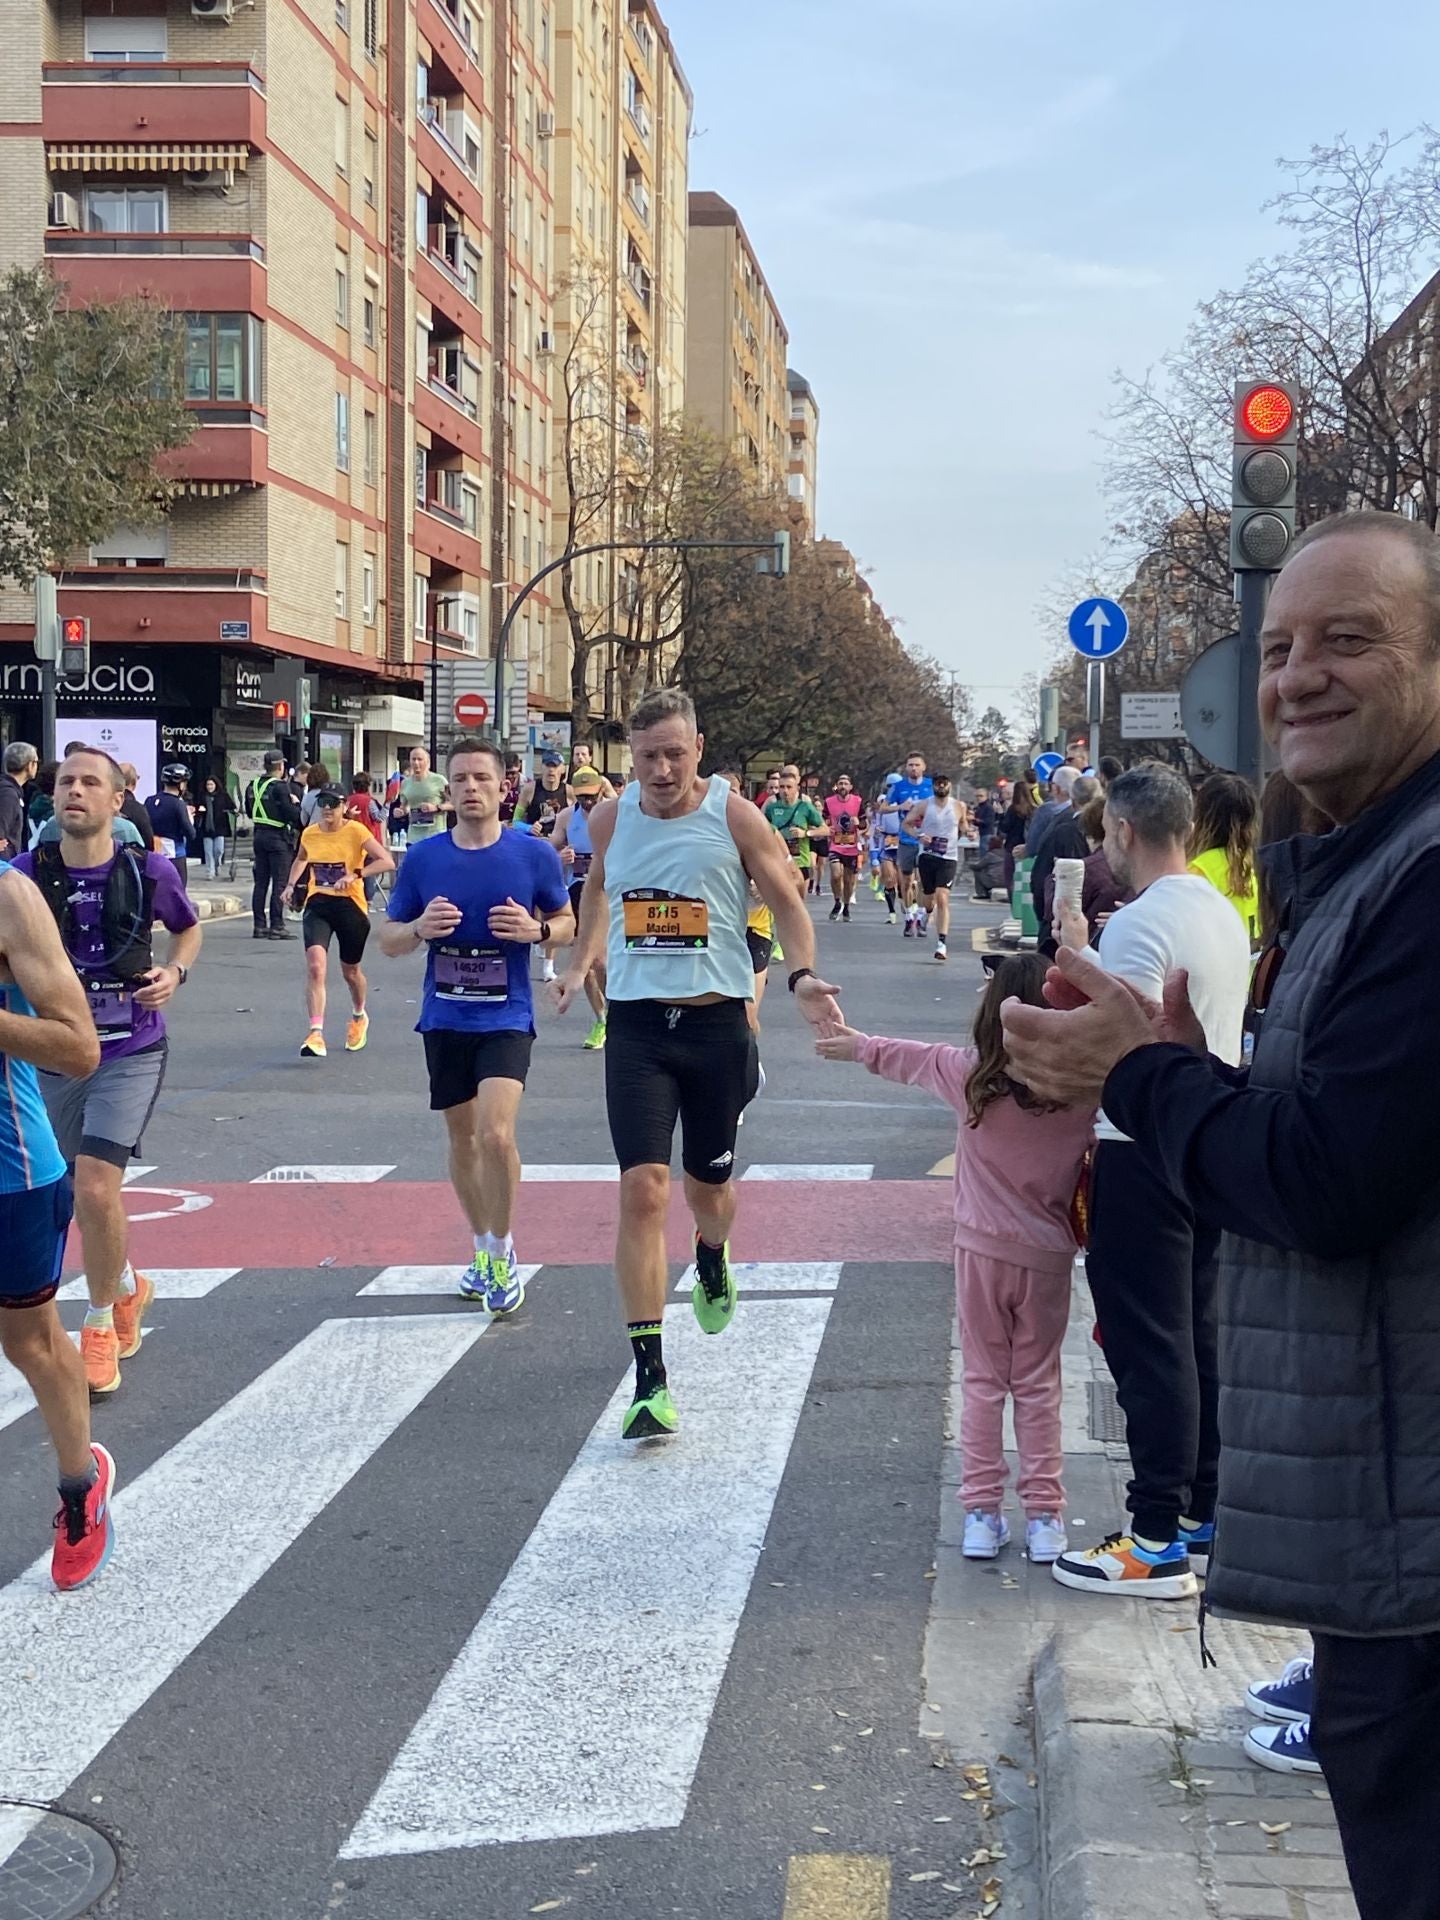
(260, 817)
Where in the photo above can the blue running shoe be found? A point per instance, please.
(475, 1280)
(1290, 1698)
(1198, 1538)
(506, 1290)
(1282, 1749)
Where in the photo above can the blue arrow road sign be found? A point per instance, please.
(1046, 765)
(1098, 629)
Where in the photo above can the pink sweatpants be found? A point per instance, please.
(1012, 1324)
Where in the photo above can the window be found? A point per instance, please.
(342, 135)
(115, 43)
(367, 589)
(342, 291)
(342, 580)
(422, 463)
(223, 358)
(368, 319)
(372, 28)
(422, 219)
(132, 547)
(125, 209)
(372, 166)
(370, 441)
(420, 587)
(544, 39)
(470, 31)
(342, 432)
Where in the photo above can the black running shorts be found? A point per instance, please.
(935, 874)
(458, 1062)
(327, 913)
(762, 947)
(665, 1062)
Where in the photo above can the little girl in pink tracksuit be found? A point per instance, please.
(1017, 1166)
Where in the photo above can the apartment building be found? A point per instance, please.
(804, 445)
(735, 361)
(623, 115)
(352, 209)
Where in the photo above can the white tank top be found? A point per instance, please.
(678, 898)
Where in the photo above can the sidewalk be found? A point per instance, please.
(219, 899)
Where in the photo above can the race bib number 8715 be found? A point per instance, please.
(659, 922)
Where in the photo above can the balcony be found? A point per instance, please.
(440, 535)
(165, 605)
(229, 448)
(447, 145)
(84, 103)
(198, 272)
(638, 195)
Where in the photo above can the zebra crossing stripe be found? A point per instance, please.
(75, 1667)
(170, 1283)
(776, 1276)
(422, 1282)
(807, 1172)
(322, 1176)
(606, 1171)
(634, 1643)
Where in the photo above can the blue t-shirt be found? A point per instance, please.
(474, 982)
(907, 795)
(29, 1157)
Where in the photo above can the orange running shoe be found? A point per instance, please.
(312, 1047)
(100, 1351)
(357, 1033)
(84, 1531)
(130, 1310)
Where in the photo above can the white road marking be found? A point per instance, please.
(185, 1202)
(776, 1276)
(422, 1282)
(580, 1703)
(608, 1172)
(75, 1667)
(323, 1176)
(807, 1172)
(171, 1283)
(135, 1173)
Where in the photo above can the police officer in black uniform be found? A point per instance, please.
(276, 817)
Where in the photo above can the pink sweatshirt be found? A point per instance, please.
(1015, 1174)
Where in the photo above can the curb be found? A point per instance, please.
(223, 907)
(1105, 1749)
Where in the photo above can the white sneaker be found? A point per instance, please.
(547, 970)
(985, 1534)
(1045, 1539)
(940, 953)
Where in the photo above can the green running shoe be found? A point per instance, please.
(713, 1296)
(652, 1418)
(595, 1039)
(477, 1279)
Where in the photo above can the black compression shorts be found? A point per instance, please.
(665, 1062)
(935, 873)
(458, 1062)
(327, 913)
(762, 948)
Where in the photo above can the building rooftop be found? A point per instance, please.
(713, 210)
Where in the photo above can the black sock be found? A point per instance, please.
(649, 1363)
(890, 898)
(74, 1486)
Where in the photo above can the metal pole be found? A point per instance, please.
(1095, 706)
(49, 724)
(47, 648)
(434, 694)
(1254, 592)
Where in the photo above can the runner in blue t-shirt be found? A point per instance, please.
(916, 786)
(480, 897)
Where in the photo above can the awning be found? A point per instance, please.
(107, 157)
(212, 489)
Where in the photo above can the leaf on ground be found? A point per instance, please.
(840, 1713)
(1032, 1779)
(932, 1875)
(941, 1819)
(864, 1733)
(1004, 1760)
(1276, 1826)
(589, 1867)
(991, 1890)
(549, 1906)
(1237, 1823)
(978, 1776)
(819, 1829)
(1008, 1580)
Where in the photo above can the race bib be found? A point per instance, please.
(890, 842)
(938, 845)
(111, 1007)
(167, 847)
(582, 865)
(659, 922)
(845, 831)
(329, 873)
(470, 973)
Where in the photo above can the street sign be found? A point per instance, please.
(472, 710)
(1151, 716)
(1045, 766)
(1210, 703)
(234, 630)
(1098, 628)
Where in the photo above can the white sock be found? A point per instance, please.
(482, 1242)
(127, 1278)
(1151, 1546)
(502, 1246)
(100, 1316)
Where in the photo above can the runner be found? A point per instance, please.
(845, 811)
(938, 823)
(480, 897)
(44, 1022)
(672, 859)
(820, 842)
(584, 756)
(797, 820)
(907, 793)
(887, 822)
(342, 856)
(105, 900)
(571, 840)
(542, 802)
(760, 931)
(422, 800)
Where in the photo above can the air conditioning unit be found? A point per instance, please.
(222, 10)
(65, 211)
(545, 125)
(208, 179)
(545, 345)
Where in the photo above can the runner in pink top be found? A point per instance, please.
(845, 817)
(1017, 1167)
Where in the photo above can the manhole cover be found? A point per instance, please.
(59, 1869)
(1107, 1422)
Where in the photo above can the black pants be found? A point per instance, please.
(274, 853)
(1153, 1278)
(1377, 1706)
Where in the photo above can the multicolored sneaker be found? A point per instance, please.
(1198, 1538)
(84, 1531)
(985, 1534)
(475, 1281)
(1284, 1749)
(130, 1309)
(1120, 1565)
(312, 1047)
(506, 1290)
(651, 1417)
(1288, 1699)
(713, 1296)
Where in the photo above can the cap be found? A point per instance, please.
(586, 780)
(331, 797)
(274, 757)
(552, 759)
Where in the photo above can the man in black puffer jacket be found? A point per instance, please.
(1322, 1164)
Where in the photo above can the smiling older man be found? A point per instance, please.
(1323, 1165)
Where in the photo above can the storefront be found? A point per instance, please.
(246, 720)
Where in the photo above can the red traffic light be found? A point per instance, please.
(1267, 412)
(282, 713)
(75, 631)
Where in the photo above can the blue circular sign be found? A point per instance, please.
(1098, 628)
(1045, 766)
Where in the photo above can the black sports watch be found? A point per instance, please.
(544, 933)
(184, 973)
(802, 973)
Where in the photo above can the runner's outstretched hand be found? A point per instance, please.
(843, 1044)
(816, 1000)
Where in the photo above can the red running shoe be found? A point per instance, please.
(84, 1531)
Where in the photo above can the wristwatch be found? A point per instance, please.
(802, 973)
(184, 973)
(544, 933)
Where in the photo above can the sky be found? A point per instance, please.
(972, 214)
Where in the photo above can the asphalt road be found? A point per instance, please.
(395, 1627)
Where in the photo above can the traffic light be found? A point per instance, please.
(1262, 492)
(282, 716)
(74, 647)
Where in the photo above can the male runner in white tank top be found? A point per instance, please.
(667, 896)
